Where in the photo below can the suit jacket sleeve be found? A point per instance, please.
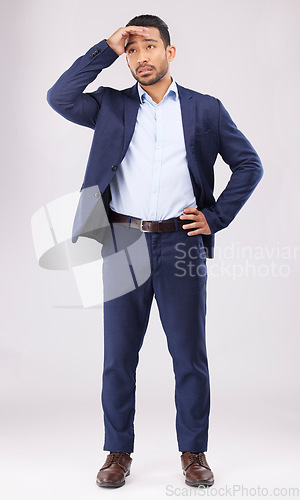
(246, 168)
(66, 96)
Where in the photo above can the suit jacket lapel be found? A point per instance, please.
(188, 112)
(188, 117)
(131, 107)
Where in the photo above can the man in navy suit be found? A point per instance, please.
(150, 174)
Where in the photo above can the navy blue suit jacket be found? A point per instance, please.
(208, 131)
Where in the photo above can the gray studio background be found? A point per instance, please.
(246, 53)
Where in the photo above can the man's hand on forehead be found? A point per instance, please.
(120, 38)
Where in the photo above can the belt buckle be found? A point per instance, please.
(141, 226)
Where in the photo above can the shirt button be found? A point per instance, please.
(97, 195)
(154, 190)
(114, 167)
(152, 213)
(158, 147)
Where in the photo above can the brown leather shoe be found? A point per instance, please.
(116, 467)
(196, 469)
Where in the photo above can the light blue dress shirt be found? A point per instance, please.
(153, 180)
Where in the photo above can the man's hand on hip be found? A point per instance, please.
(199, 223)
(117, 41)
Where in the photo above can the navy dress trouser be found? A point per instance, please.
(177, 278)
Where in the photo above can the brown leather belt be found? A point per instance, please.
(148, 226)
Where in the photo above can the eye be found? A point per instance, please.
(150, 46)
(130, 51)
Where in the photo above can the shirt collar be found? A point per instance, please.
(172, 90)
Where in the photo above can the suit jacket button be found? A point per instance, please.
(95, 53)
(114, 167)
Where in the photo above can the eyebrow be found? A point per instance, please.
(145, 40)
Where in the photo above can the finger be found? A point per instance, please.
(188, 217)
(201, 230)
(193, 225)
(190, 210)
(137, 27)
(194, 233)
(140, 30)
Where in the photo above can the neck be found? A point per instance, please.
(158, 89)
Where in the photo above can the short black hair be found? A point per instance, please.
(152, 22)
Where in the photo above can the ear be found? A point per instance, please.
(171, 52)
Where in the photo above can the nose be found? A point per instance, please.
(142, 56)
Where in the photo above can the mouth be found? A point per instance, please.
(144, 70)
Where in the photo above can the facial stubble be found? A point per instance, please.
(148, 80)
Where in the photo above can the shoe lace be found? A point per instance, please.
(114, 456)
(197, 458)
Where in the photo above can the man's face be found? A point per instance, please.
(147, 58)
